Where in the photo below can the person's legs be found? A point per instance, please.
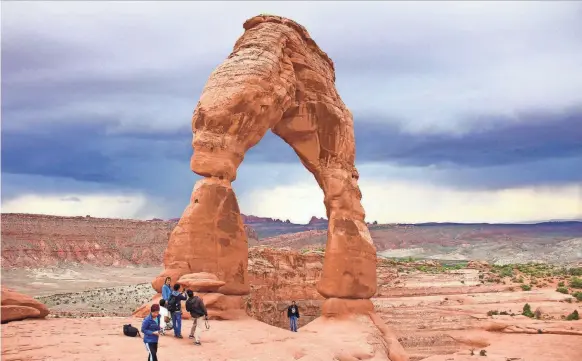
(173, 315)
(197, 331)
(152, 351)
(194, 324)
(178, 326)
(294, 324)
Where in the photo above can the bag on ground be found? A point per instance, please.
(129, 330)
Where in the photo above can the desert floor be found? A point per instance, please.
(435, 317)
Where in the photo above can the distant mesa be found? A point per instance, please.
(314, 220)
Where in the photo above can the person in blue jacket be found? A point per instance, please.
(166, 290)
(150, 328)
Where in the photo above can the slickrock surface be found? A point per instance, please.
(33, 240)
(16, 306)
(102, 339)
(275, 78)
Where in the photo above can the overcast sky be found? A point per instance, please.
(463, 111)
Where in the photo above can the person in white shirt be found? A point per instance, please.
(165, 321)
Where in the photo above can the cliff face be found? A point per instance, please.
(30, 240)
(278, 277)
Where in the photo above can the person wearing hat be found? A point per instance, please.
(150, 328)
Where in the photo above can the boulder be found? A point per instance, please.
(19, 306)
(17, 313)
(201, 282)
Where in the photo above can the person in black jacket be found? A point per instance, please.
(196, 307)
(175, 308)
(293, 314)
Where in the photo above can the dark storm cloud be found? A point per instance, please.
(100, 98)
(538, 149)
(55, 151)
(527, 138)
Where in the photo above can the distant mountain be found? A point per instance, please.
(267, 227)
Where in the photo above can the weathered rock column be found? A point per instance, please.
(210, 237)
(349, 269)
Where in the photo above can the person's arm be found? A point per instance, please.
(188, 304)
(144, 329)
(203, 307)
(289, 311)
(182, 297)
(165, 292)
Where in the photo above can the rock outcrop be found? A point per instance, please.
(35, 240)
(276, 78)
(16, 306)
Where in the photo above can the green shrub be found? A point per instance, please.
(576, 282)
(563, 290)
(573, 316)
(578, 295)
(527, 311)
(526, 287)
(575, 271)
(561, 284)
(491, 313)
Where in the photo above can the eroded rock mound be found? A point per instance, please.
(16, 306)
(201, 282)
(276, 78)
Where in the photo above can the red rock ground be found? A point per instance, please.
(102, 339)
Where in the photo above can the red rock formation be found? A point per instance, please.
(254, 219)
(316, 221)
(299, 240)
(210, 237)
(16, 306)
(276, 78)
(33, 240)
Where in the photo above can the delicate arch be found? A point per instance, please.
(276, 78)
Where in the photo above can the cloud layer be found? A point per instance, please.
(479, 101)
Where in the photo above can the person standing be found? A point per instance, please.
(166, 290)
(293, 314)
(150, 328)
(197, 309)
(175, 308)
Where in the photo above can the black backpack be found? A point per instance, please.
(129, 330)
(172, 306)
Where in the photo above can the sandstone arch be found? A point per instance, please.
(276, 78)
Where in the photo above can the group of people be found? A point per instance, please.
(167, 315)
